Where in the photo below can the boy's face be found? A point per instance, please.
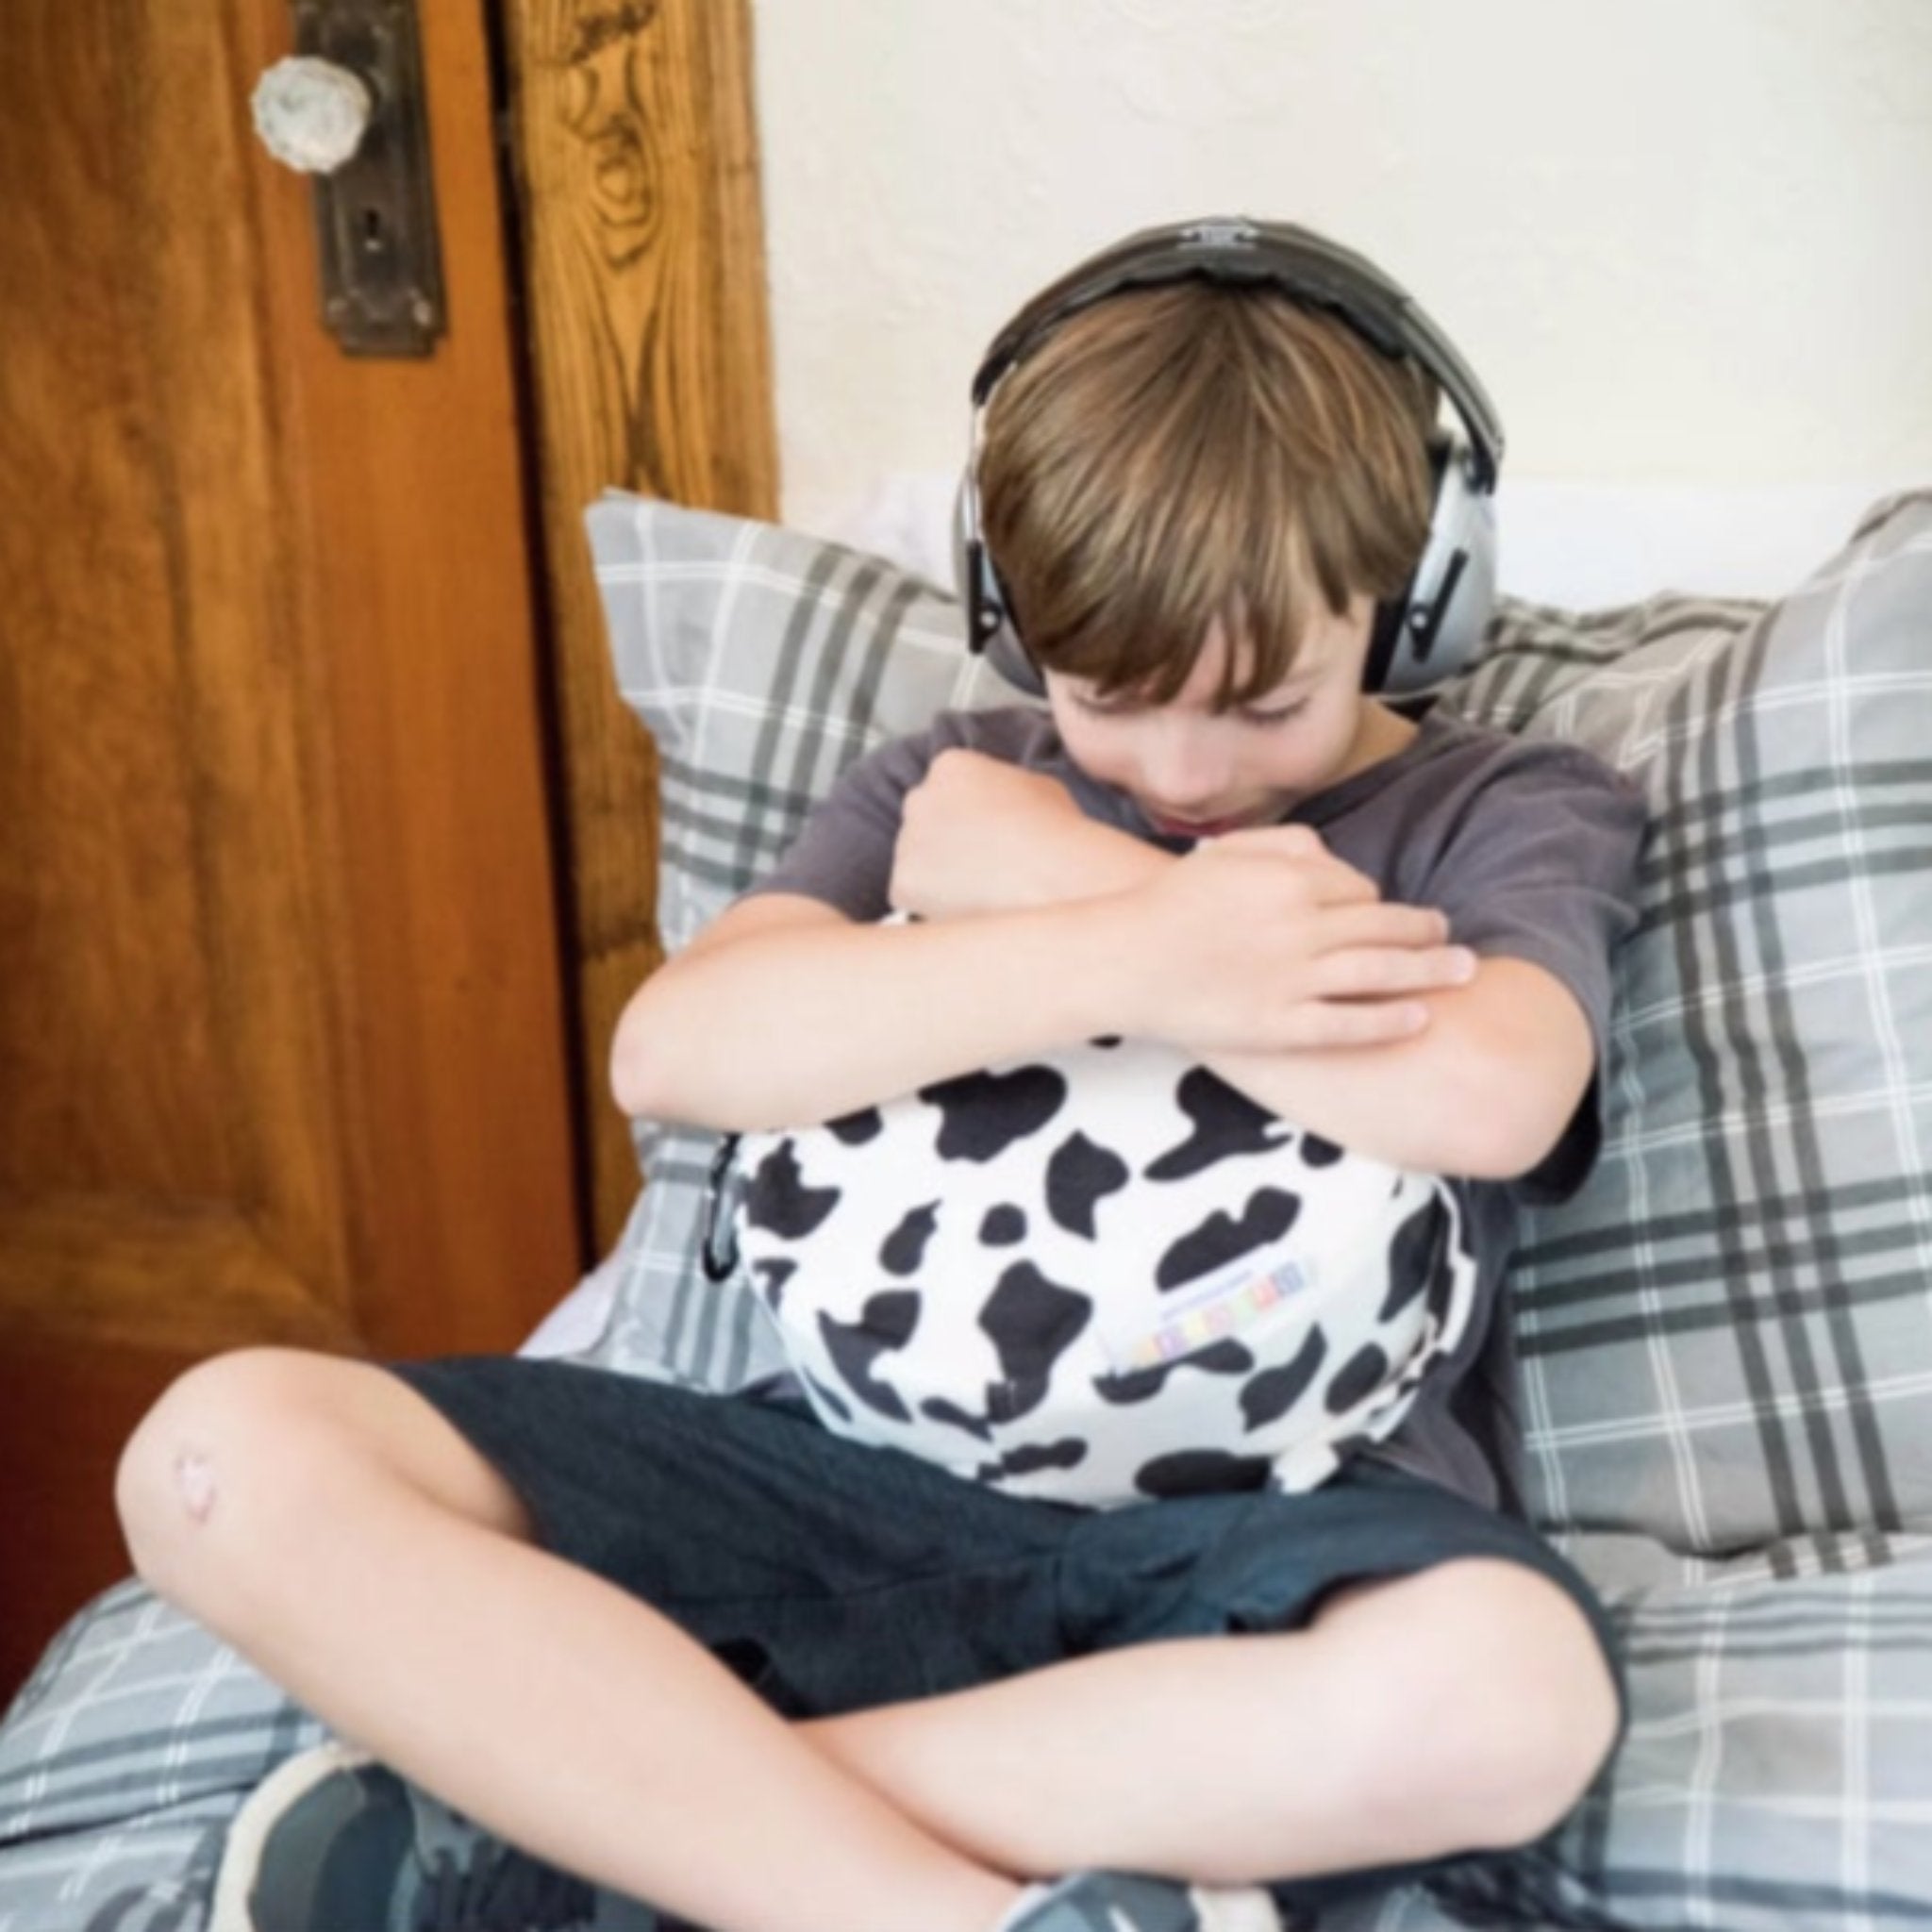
(1195, 773)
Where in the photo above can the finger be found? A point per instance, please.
(1302, 843)
(1324, 879)
(1377, 971)
(1334, 883)
(1338, 927)
(1282, 841)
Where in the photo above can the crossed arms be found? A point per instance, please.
(1268, 959)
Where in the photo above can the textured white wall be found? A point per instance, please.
(1680, 240)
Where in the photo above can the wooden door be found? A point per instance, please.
(284, 1045)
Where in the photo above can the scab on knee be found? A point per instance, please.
(194, 1477)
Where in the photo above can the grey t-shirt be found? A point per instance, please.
(1529, 846)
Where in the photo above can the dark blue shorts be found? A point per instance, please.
(833, 1576)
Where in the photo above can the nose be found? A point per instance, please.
(1184, 767)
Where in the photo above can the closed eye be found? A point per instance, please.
(1131, 708)
(1109, 708)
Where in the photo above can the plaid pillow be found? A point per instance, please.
(763, 661)
(1724, 1335)
(1725, 1310)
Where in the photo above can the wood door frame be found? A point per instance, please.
(634, 144)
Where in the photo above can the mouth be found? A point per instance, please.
(1193, 829)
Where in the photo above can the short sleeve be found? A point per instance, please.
(1541, 864)
(842, 854)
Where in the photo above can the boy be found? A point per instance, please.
(704, 1653)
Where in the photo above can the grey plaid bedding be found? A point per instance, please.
(1726, 1341)
(1775, 1779)
(121, 1761)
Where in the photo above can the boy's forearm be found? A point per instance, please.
(807, 1023)
(1468, 1096)
(1086, 860)
(1483, 1091)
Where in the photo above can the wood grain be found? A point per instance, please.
(635, 145)
(284, 1053)
(428, 750)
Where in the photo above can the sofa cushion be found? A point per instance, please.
(1724, 1336)
(763, 661)
(1774, 1776)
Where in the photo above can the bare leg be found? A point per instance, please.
(1461, 1708)
(1464, 1707)
(327, 1522)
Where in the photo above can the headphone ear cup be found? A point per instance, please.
(1011, 658)
(1384, 635)
(1435, 629)
(1469, 520)
(989, 623)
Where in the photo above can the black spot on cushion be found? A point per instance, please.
(904, 1249)
(886, 1322)
(1201, 1472)
(856, 1129)
(1274, 1391)
(1220, 1239)
(777, 1198)
(771, 1278)
(983, 1114)
(1078, 1178)
(1225, 1122)
(1137, 1385)
(1003, 1227)
(1028, 1457)
(1318, 1151)
(1418, 1255)
(955, 1417)
(1359, 1376)
(1032, 1321)
(1018, 1395)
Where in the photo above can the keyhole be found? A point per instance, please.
(374, 241)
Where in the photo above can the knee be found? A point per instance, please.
(1501, 1708)
(1537, 1704)
(229, 1433)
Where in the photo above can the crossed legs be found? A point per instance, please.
(331, 1525)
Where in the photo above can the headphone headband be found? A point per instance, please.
(1297, 263)
(1435, 627)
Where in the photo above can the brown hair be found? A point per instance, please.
(1177, 455)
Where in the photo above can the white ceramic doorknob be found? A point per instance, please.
(311, 113)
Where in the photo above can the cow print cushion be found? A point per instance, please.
(1101, 1275)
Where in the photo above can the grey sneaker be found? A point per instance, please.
(1126, 1902)
(333, 1841)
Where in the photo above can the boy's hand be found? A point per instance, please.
(1263, 941)
(979, 835)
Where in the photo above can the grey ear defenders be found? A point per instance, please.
(1419, 639)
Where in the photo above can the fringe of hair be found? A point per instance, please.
(1192, 454)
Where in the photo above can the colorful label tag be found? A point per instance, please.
(1214, 1313)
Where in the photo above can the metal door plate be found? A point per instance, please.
(375, 215)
